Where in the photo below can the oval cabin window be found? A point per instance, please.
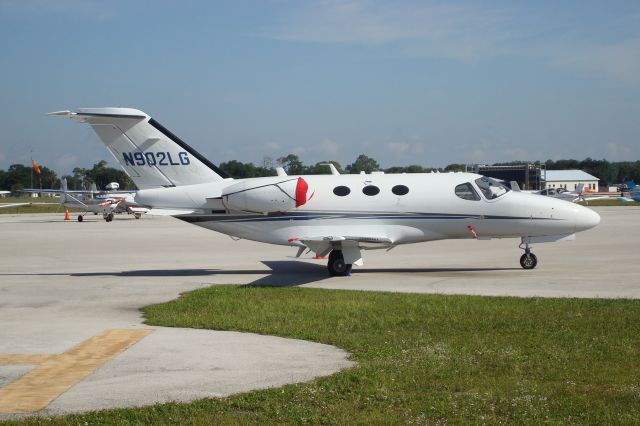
(400, 190)
(341, 191)
(370, 190)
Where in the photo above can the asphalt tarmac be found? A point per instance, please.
(71, 292)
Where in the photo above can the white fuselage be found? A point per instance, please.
(264, 209)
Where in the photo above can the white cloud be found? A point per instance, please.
(329, 147)
(398, 147)
(516, 153)
(458, 30)
(466, 31)
(273, 146)
(480, 152)
(618, 152)
(620, 60)
(66, 162)
(299, 150)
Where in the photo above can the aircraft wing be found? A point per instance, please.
(28, 204)
(167, 212)
(350, 245)
(14, 205)
(137, 209)
(58, 191)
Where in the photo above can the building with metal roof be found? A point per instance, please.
(569, 179)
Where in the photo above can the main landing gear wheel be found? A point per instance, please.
(528, 261)
(80, 218)
(109, 217)
(336, 265)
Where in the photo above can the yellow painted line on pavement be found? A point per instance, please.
(16, 359)
(55, 375)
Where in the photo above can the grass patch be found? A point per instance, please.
(608, 202)
(421, 359)
(33, 208)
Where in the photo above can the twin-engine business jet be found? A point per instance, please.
(335, 215)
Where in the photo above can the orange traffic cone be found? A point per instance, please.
(66, 215)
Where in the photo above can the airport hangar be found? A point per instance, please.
(533, 177)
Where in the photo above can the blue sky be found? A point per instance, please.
(406, 82)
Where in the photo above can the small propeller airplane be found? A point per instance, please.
(573, 196)
(106, 202)
(335, 215)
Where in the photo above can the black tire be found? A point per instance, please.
(80, 218)
(528, 261)
(336, 265)
(110, 217)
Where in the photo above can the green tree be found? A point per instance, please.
(239, 170)
(455, 167)
(321, 168)
(292, 165)
(20, 176)
(363, 163)
(102, 175)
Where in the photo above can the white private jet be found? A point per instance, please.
(338, 215)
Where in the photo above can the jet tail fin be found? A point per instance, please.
(631, 184)
(149, 153)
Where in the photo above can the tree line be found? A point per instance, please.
(608, 172)
(20, 176)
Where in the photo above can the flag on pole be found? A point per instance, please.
(35, 166)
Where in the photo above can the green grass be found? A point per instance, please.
(608, 202)
(422, 359)
(32, 209)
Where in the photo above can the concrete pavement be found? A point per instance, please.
(62, 283)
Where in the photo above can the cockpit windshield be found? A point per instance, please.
(491, 188)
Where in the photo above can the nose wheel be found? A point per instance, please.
(528, 260)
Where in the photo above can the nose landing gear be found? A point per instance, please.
(528, 260)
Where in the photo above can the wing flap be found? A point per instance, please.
(170, 212)
(350, 245)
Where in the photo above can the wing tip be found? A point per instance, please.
(65, 113)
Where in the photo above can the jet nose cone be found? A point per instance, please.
(586, 219)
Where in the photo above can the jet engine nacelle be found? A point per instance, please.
(112, 186)
(267, 195)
